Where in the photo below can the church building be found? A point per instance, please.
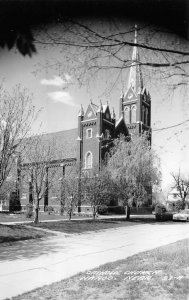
(98, 126)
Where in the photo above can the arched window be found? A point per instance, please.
(143, 114)
(127, 114)
(146, 116)
(106, 157)
(107, 134)
(133, 114)
(88, 160)
(86, 174)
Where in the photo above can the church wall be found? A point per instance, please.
(90, 144)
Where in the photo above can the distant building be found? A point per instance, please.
(174, 200)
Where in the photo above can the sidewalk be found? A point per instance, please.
(31, 264)
(100, 217)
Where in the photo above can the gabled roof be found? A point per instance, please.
(119, 123)
(104, 107)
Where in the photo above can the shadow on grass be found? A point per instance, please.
(26, 249)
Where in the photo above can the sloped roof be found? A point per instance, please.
(104, 106)
(65, 143)
(118, 121)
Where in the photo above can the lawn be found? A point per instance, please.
(43, 216)
(80, 226)
(12, 233)
(159, 274)
(20, 217)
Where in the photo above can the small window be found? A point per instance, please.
(89, 133)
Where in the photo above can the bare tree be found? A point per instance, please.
(97, 188)
(17, 115)
(38, 157)
(72, 191)
(182, 184)
(102, 46)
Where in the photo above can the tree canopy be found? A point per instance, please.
(134, 168)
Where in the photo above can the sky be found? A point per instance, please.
(57, 92)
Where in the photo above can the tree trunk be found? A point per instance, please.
(183, 203)
(36, 218)
(62, 206)
(61, 210)
(62, 199)
(127, 212)
(70, 215)
(94, 212)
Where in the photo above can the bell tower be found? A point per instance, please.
(135, 103)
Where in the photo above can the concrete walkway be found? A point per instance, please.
(100, 217)
(30, 264)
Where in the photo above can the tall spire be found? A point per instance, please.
(135, 75)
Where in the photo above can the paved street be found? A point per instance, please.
(30, 264)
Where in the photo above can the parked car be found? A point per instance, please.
(162, 214)
(183, 215)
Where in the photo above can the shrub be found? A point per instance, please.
(102, 209)
(50, 209)
(29, 210)
(117, 210)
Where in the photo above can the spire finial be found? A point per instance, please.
(81, 112)
(136, 34)
(122, 94)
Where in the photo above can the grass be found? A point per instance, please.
(20, 217)
(12, 233)
(43, 216)
(160, 274)
(80, 226)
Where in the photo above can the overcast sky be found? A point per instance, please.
(57, 92)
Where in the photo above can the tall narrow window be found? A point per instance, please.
(107, 134)
(133, 114)
(106, 157)
(88, 160)
(146, 116)
(143, 114)
(127, 114)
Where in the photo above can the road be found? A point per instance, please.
(27, 265)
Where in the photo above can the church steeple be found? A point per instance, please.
(135, 104)
(135, 75)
